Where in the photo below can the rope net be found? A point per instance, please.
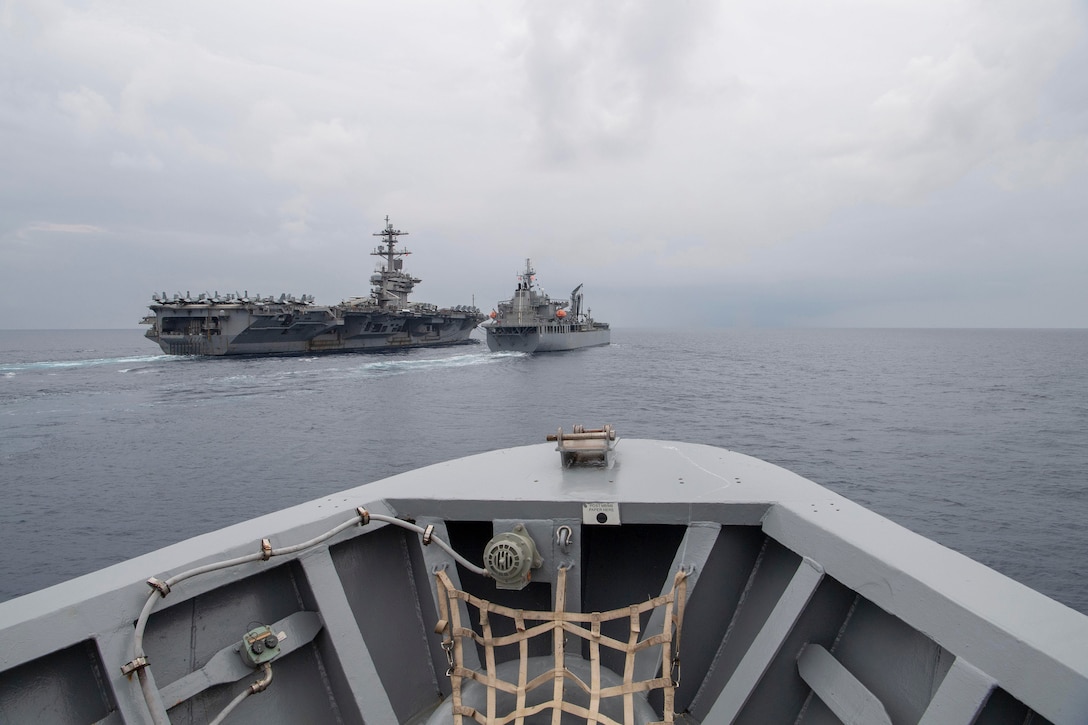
(557, 625)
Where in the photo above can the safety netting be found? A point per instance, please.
(563, 682)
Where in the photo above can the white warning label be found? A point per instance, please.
(607, 514)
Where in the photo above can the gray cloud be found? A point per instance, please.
(919, 163)
(598, 73)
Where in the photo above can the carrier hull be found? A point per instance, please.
(237, 324)
(243, 330)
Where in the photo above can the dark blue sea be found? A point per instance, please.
(975, 438)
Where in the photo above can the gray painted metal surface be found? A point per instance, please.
(237, 324)
(531, 321)
(803, 607)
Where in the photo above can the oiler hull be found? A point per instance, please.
(539, 338)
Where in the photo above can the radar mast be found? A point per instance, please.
(387, 250)
(391, 284)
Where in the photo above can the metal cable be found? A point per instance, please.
(161, 589)
(259, 686)
(442, 544)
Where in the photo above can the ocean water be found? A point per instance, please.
(975, 438)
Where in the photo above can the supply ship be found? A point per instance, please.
(237, 324)
(531, 321)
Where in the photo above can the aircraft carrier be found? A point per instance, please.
(238, 324)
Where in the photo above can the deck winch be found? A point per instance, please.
(586, 446)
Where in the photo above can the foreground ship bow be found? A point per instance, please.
(236, 324)
(634, 581)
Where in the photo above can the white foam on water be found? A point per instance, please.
(49, 365)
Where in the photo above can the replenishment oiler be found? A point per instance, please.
(237, 324)
(531, 321)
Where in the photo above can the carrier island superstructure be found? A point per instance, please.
(531, 321)
(238, 324)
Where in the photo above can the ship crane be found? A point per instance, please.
(576, 304)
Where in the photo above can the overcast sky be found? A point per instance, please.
(743, 163)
